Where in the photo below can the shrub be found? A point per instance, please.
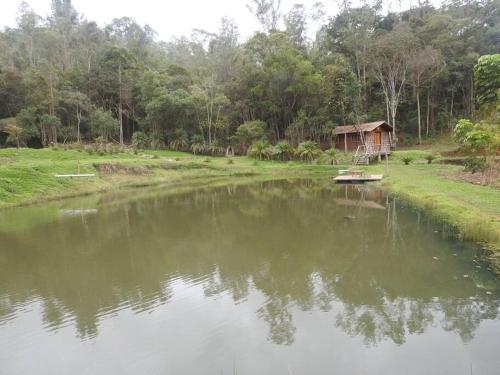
(198, 148)
(139, 140)
(215, 149)
(308, 150)
(329, 156)
(179, 139)
(230, 161)
(104, 125)
(249, 133)
(156, 142)
(261, 150)
(475, 164)
(407, 160)
(16, 134)
(430, 158)
(478, 137)
(283, 150)
(462, 128)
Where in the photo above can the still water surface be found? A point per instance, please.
(273, 278)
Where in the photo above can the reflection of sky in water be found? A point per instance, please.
(176, 338)
(263, 280)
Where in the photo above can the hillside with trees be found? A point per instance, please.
(66, 79)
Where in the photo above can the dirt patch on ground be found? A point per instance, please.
(7, 160)
(452, 161)
(490, 177)
(454, 153)
(110, 168)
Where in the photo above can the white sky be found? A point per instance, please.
(171, 18)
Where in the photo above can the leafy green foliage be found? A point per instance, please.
(260, 149)
(487, 79)
(250, 132)
(462, 129)
(476, 137)
(407, 160)
(358, 68)
(104, 125)
(27, 119)
(283, 151)
(308, 150)
(16, 134)
(330, 156)
(140, 140)
(179, 140)
(475, 164)
(340, 90)
(430, 158)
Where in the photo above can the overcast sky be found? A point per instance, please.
(171, 18)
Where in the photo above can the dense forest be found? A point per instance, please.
(66, 79)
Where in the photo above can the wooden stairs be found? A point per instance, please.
(365, 153)
(362, 156)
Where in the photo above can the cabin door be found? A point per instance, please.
(378, 138)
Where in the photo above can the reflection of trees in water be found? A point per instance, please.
(291, 242)
(276, 312)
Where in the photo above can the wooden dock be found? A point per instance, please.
(358, 178)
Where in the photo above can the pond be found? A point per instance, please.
(272, 278)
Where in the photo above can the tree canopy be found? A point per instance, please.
(66, 79)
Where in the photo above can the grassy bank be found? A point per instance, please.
(29, 176)
(474, 210)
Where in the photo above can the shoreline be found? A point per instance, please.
(28, 179)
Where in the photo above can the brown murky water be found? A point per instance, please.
(273, 278)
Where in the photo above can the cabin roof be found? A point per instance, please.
(366, 127)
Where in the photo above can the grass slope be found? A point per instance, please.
(28, 175)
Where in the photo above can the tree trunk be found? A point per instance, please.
(451, 107)
(387, 111)
(418, 116)
(120, 108)
(52, 128)
(393, 114)
(472, 106)
(32, 62)
(79, 120)
(428, 111)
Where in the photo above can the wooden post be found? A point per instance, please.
(386, 163)
(345, 143)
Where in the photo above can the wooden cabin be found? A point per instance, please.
(377, 137)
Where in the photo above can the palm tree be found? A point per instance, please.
(330, 156)
(179, 139)
(308, 150)
(283, 150)
(260, 149)
(15, 133)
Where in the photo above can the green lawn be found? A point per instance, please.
(28, 175)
